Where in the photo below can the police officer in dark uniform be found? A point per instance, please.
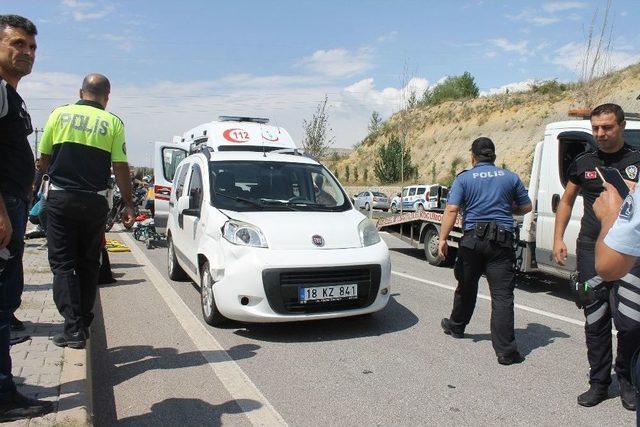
(488, 198)
(607, 122)
(80, 143)
(17, 55)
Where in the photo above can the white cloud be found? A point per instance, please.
(491, 54)
(508, 46)
(561, 6)
(551, 13)
(570, 56)
(387, 100)
(387, 37)
(159, 110)
(84, 10)
(338, 62)
(522, 86)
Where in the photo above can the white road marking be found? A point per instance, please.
(488, 298)
(237, 383)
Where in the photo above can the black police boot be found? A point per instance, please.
(455, 331)
(596, 394)
(75, 340)
(627, 394)
(511, 358)
(16, 324)
(18, 407)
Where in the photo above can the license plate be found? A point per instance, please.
(328, 293)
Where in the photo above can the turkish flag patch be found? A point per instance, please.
(590, 175)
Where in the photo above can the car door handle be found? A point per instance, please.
(555, 201)
(171, 204)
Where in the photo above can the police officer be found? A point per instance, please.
(607, 123)
(488, 197)
(80, 143)
(617, 251)
(17, 55)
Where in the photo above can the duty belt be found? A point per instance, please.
(492, 231)
(56, 188)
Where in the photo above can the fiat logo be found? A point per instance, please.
(317, 240)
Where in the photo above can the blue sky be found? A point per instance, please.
(174, 65)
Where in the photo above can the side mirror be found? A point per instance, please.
(191, 212)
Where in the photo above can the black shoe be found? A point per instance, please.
(453, 330)
(510, 359)
(627, 394)
(596, 394)
(19, 407)
(16, 324)
(35, 234)
(76, 340)
(17, 339)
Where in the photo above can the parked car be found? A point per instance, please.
(371, 199)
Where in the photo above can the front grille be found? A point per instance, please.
(282, 286)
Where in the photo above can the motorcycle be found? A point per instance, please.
(118, 207)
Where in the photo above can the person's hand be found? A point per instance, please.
(559, 252)
(607, 205)
(443, 248)
(6, 230)
(128, 217)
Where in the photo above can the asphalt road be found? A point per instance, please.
(394, 368)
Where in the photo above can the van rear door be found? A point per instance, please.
(166, 157)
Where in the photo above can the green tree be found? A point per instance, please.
(434, 174)
(355, 174)
(316, 140)
(453, 170)
(366, 175)
(335, 173)
(347, 173)
(374, 122)
(452, 88)
(387, 167)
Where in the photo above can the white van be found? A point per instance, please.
(419, 197)
(268, 233)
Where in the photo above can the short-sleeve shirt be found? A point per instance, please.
(17, 166)
(624, 236)
(83, 140)
(487, 193)
(582, 172)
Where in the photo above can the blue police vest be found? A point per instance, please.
(487, 193)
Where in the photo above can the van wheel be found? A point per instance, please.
(173, 268)
(420, 207)
(210, 311)
(431, 250)
(367, 206)
(394, 209)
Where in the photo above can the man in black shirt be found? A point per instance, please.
(607, 122)
(17, 54)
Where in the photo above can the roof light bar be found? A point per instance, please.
(243, 119)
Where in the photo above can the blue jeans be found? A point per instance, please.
(11, 286)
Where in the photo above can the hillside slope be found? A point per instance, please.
(515, 122)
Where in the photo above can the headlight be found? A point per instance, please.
(241, 233)
(368, 233)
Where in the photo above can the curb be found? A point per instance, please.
(74, 402)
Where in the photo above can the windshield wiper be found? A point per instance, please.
(278, 202)
(240, 199)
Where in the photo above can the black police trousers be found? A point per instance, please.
(75, 229)
(482, 256)
(618, 300)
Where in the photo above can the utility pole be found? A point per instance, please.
(37, 131)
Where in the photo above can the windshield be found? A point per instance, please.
(275, 186)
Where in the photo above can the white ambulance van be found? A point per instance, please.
(268, 233)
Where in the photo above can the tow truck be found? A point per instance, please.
(563, 141)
